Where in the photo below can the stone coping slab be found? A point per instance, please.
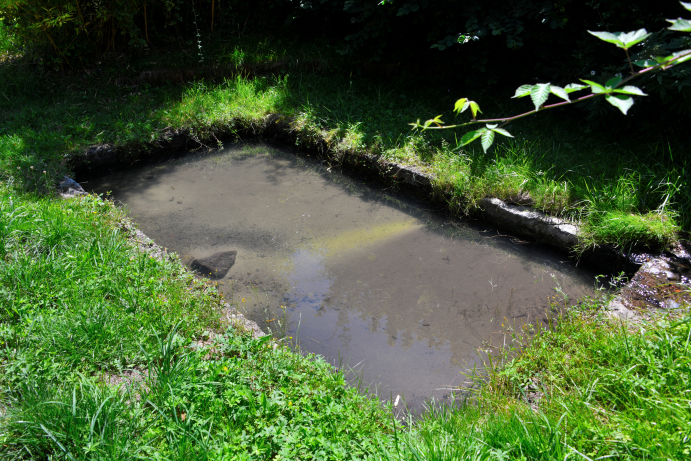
(520, 220)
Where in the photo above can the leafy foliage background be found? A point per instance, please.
(488, 43)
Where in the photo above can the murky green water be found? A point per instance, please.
(371, 282)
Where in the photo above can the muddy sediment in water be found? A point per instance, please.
(364, 278)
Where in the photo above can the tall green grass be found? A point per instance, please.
(632, 200)
(71, 284)
(250, 401)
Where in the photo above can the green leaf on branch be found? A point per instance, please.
(523, 90)
(607, 37)
(623, 39)
(621, 102)
(673, 59)
(686, 5)
(436, 120)
(474, 108)
(613, 82)
(559, 92)
(463, 103)
(486, 134)
(685, 56)
(539, 94)
(487, 139)
(471, 136)
(501, 131)
(596, 87)
(648, 62)
(628, 89)
(571, 87)
(633, 38)
(680, 25)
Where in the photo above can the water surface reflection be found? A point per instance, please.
(371, 280)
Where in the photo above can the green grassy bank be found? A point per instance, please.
(80, 305)
(622, 189)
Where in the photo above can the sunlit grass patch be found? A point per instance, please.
(207, 104)
(625, 229)
(71, 283)
(7, 45)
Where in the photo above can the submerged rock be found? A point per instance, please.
(215, 266)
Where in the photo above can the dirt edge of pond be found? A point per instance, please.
(520, 220)
(228, 314)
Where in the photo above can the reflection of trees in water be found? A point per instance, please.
(456, 297)
(439, 284)
(343, 329)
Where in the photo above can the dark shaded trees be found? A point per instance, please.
(469, 42)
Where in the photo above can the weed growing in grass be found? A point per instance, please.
(274, 319)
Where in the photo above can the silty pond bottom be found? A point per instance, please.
(365, 279)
